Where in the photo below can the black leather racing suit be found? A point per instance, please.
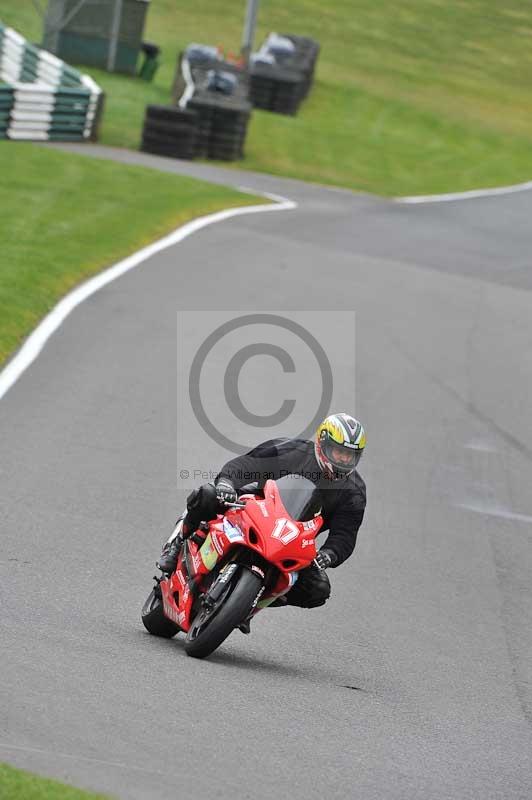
(343, 504)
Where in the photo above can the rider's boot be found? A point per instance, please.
(168, 558)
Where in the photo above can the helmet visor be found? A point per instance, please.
(344, 459)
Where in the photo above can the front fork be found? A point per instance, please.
(292, 576)
(220, 585)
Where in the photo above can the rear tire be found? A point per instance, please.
(154, 619)
(204, 637)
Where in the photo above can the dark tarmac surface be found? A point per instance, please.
(415, 680)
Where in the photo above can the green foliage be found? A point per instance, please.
(65, 217)
(18, 785)
(411, 97)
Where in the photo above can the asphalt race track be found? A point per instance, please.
(415, 680)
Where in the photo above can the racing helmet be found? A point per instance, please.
(339, 444)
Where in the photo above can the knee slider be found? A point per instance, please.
(312, 589)
(320, 589)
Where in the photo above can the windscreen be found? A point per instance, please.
(300, 496)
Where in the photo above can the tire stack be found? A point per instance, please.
(280, 81)
(228, 134)
(261, 87)
(222, 127)
(220, 99)
(307, 52)
(204, 123)
(169, 131)
(212, 110)
(286, 91)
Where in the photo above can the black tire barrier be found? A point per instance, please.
(212, 100)
(282, 85)
(169, 131)
(175, 140)
(171, 113)
(159, 126)
(223, 127)
(167, 147)
(170, 137)
(178, 142)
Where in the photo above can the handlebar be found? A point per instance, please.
(238, 504)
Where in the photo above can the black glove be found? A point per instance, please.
(325, 559)
(225, 491)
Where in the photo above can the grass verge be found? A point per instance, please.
(18, 785)
(64, 217)
(417, 97)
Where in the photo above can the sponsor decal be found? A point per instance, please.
(171, 613)
(208, 554)
(262, 505)
(181, 578)
(216, 543)
(233, 532)
(196, 562)
(306, 542)
(259, 595)
(226, 573)
(309, 526)
(258, 570)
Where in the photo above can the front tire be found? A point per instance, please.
(210, 628)
(153, 616)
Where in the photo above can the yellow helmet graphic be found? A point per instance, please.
(339, 444)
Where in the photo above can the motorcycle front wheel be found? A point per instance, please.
(213, 625)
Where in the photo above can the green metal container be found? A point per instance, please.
(99, 33)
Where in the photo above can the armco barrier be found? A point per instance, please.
(212, 113)
(282, 72)
(41, 97)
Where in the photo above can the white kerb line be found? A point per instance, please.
(36, 341)
(471, 195)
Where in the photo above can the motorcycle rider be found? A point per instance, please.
(329, 461)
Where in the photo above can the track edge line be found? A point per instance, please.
(37, 339)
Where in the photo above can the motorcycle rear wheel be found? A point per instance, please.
(153, 616)
(210, 628)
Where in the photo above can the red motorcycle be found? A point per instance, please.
(237, 564)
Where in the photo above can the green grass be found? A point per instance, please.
(411, 97)
(64, 217)
(18, 785)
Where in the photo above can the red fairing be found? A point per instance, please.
(270, 530)
(176, 594)
(263, 526)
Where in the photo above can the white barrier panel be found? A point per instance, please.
(41, 97)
